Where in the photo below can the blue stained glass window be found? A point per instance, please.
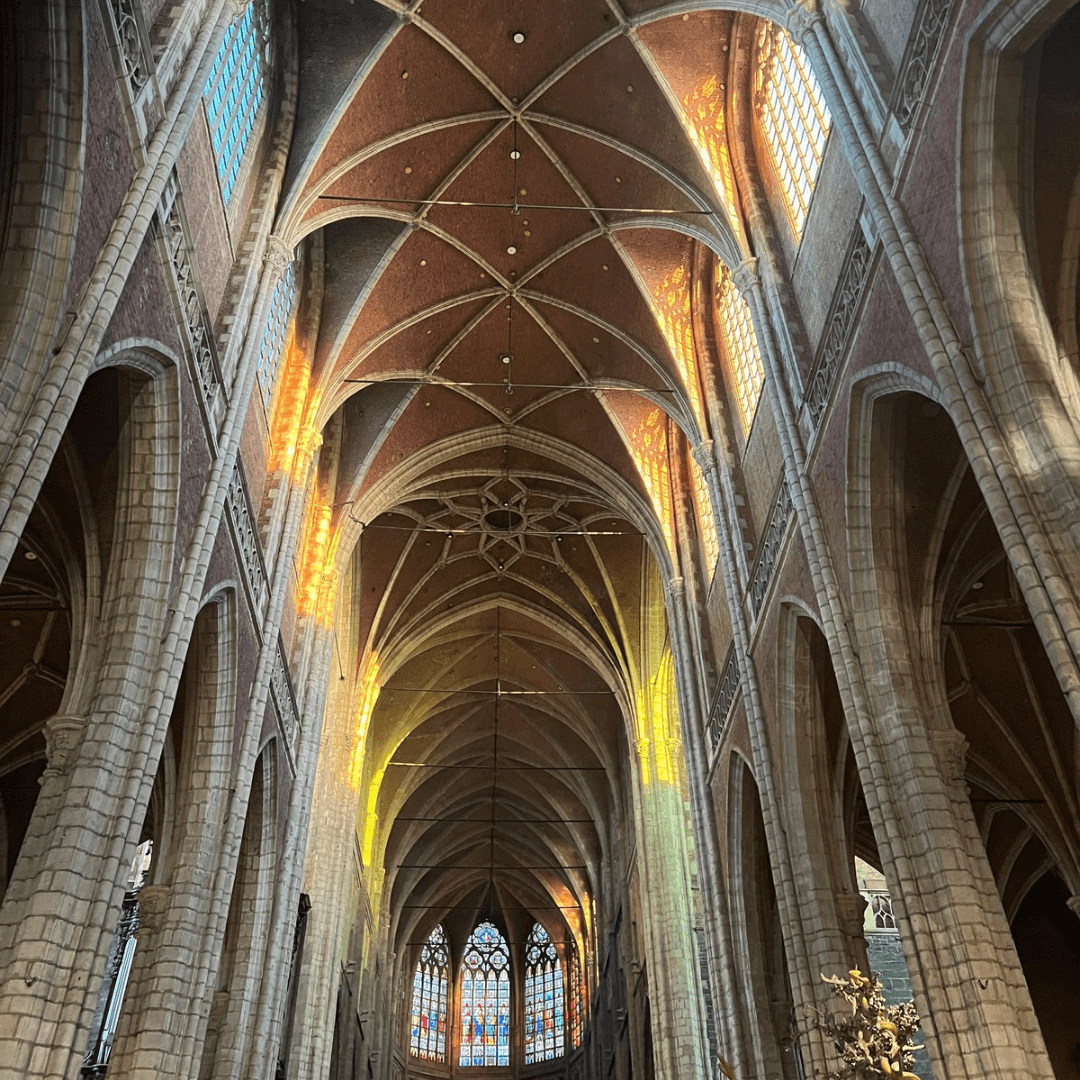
(427, 1031)
(545, 1013)
(485, 999)
(235, 90)
(277, 324)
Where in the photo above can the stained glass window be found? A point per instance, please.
(427, 1033)
(545, 1015)
(235, 90)
(577, 999)
(740, 345)
(485, 999)
(273, 343)
(794, 118)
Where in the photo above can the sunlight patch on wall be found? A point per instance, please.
(657, 726)
(290, 404)
(310, 599)
(703, 509)
(369, 695)
(705, 123)
(648, 443)
(671, 308)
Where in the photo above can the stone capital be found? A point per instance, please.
(63, 733)
(309, 441)
(1073, 904)
(703, 455)
(851, 909)
(802, 19)
(278, 254)
(745, 275)
(950, 748)
(154, 901)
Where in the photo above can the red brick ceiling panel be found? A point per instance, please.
(483, 29)
(623, 557)
(494, 177)
(656, 253)
(640, 7)
(580, 420)
(603, 355)
(612, 178)
(535, 358)
(378, 554)
(613, 91)
(409, 170)
(521, 464)
(425, 271)
(689, 49)
(416, 347)
(435, 87)
(435, 413)
(593, 277)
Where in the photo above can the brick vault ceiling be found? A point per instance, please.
(507, 534)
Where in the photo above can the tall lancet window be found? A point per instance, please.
(577, 998)
(485, 999)
(274, 337)
(235, 90)
(793, 116)
(740, 345)
(427, 1035)
(545, 1011)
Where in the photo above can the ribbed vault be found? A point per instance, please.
(517, 214)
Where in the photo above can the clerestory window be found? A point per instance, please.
(577, 998)
(736, 331)
(277, 325)
(427, 1033)
(235, 91)
(793, 117)
(485, 999)
(545, 1009)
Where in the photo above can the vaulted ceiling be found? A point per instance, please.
(516, 236)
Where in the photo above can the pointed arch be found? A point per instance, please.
(485, 998)
(427, 1032)
(545, 999)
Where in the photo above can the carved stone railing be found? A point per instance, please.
(248, 548)
(918, 61)
(770, 550)
(725, 700)
(284, 697)
(834, 342)
(194, 318)
(136, 67)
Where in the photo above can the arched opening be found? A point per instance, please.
(765, 969)
(977, 659)
(1050, 165)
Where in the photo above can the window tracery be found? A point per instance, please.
(427, 1032)
(277, 324)
(545, 1015)
(235, 90)
(485, 999)
(740, 344)
(793, 116)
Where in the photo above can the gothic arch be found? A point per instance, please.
(47, 105)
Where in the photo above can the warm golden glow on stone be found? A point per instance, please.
(671, 306)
